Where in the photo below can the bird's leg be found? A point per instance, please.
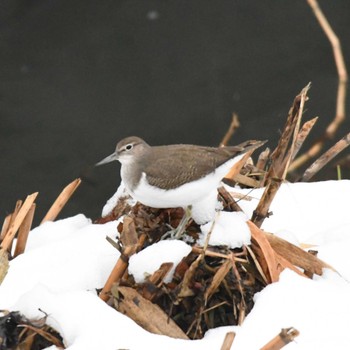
(176, 233)
(180, 229)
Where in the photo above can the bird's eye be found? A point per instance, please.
(129, 147)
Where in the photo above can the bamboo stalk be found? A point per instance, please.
(265, 253)
(280, 158)
(24, 231)
(229, 338)
(319, 163)
(5, 226)
(61, 201)
(120, 268)
(6, 243)
(303, 133)
(263, 158)
(283, 338)
(9, 220)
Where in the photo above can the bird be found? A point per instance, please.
(177, 175)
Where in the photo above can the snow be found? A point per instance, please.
(149, 260)
(111, 203)
(230, 229)
(65, 261)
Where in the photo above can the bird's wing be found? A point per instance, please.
(185, 164)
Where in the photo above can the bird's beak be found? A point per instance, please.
(108, 159)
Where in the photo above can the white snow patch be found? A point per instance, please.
(66, 260)
(112, 202)
(148, 260)
(230, 229)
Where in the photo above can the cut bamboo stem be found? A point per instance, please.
(238, 166)
(9, 220)
(282, 339)
(5, 227)
(280, 158)
(263, 158)
(61, 201)
(6, 243)
(303, 133)
(229, 338)
(120, 268)
(264, 253)
(24, 231)
(316, 166)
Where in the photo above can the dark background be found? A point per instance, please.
(77, 76)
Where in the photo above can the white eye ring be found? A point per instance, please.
(129, 147)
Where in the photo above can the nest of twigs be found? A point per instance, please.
(212, 286)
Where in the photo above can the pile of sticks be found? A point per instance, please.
(213, 286)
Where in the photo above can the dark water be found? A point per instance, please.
(76, 76)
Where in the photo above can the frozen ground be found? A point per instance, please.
(66, 260)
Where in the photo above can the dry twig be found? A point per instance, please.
(316, 166)
(61, 201)
(24, 231)
(233, 126)
(229, 338)
(341, 94)
(148, 315)
(280, 158)
(5, 244)
(286, 336)
(131, 245)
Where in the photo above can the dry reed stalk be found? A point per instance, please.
(316, 166)
(257, 264)
(61, 201)
(15, 223)
(264, 253)
(24, 231)
(246, 181)
(146, 314)
(218, 277)
(302, 135)
(263, 158)
(286, 336)
(238, 166)
(5, 244)
(5, 226)
(131, 244)
(280, 158)
(288, 158)
(227, 343)
(9, 220)
(242, 307)
(159, 275)
(341, 94)
(229, 201)
(118, 271)
(48, 336)
(262, 210)
(310, 273)
(296, 255)
(233, 126)
(4, 264)
(185, 290)
(208, 252)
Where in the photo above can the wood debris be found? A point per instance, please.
(212, 286)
